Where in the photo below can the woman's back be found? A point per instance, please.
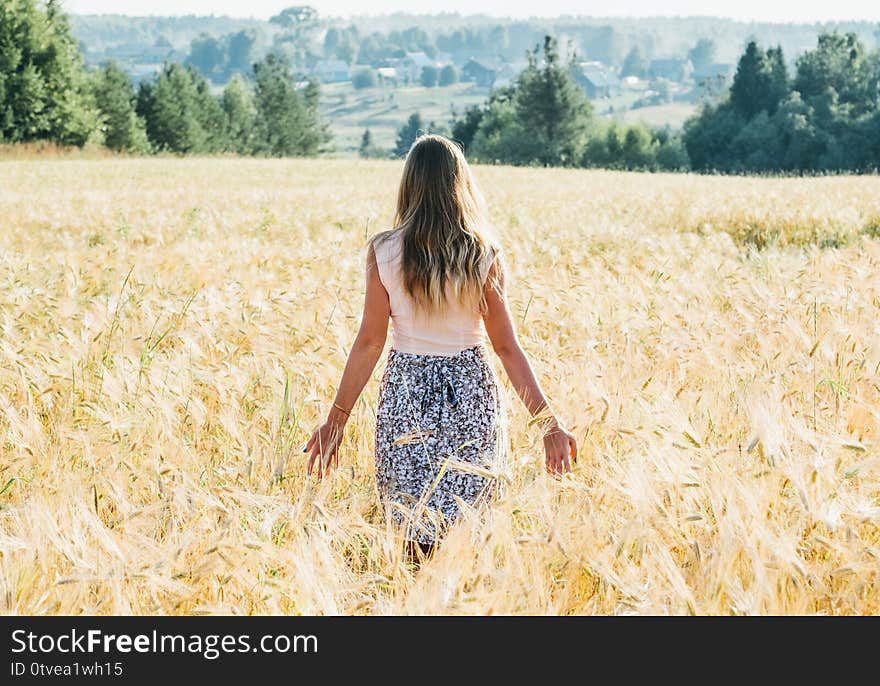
(459, 328)
(440, 417)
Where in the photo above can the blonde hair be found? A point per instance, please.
(445, 234)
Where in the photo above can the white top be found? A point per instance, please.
(460, 328)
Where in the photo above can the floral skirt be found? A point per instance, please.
(441, 439)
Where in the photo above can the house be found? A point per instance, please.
(444, 58)
(633, 83)
(388, 76)
(331, 71)
(508, 72)
(411, 65)
(717, 72)
(479, 72)
(671, 69)
(597, 80)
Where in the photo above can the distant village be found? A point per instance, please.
(667, 79)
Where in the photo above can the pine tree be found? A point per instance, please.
(633, 63)
(115, 97)
(745, 93)
(366, 144)
(180, 113)
(407, 134)
(552, 108)
(778, 84)
(760, 83)
(241, 113)
(288, 122)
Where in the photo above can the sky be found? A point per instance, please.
(745, 10)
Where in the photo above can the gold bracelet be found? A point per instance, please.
(342, 409)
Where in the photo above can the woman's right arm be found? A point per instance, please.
(560, 445)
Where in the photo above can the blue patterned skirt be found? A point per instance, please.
(440, 438)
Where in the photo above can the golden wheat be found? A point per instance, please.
(172, 331)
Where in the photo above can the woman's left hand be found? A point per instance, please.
(324, 447)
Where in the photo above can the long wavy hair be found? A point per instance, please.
(445, 234)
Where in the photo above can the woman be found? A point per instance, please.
(440, 277)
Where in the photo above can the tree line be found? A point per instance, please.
(371, 39)
(545, 118)
(47, 94)
(824, 118)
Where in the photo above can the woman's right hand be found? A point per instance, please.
(560, 447)
(324, 447)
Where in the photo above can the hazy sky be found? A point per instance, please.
(763, 10)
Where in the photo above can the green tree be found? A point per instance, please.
(634, 147)
(239, 51)
(407, 134)
(341, 44)
(839, 63)
(180, 113)
(448, 75)
(366, 143)
(823, 120)
(702, 54)
(748, 83)
(241, 114)
(331, 41)
(363, 77)
(633, 63)
(298, 25)
(637, 149)
(296, 18)
(604, 147)
(288, 122)
(779, 85)
(760, 83)
(116, 99)
(552, 108)
(803, 144)
(708, 135)
(368, 148)
(756, 146)
(429, 76)
(45, 92)
(465, 128)
(208, 55)
(672, 156)
(499, 136)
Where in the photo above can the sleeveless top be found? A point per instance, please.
(460, 328)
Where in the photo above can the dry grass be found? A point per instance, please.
(46, 150)
(173, 330)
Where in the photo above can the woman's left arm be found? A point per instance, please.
(365, 353)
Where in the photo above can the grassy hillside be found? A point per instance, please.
(349, 111)
(673, 115)
(174, 329)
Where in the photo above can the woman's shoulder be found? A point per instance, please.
(492, 251)
(381, 243)
(492, 254)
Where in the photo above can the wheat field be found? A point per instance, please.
(173, 330)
